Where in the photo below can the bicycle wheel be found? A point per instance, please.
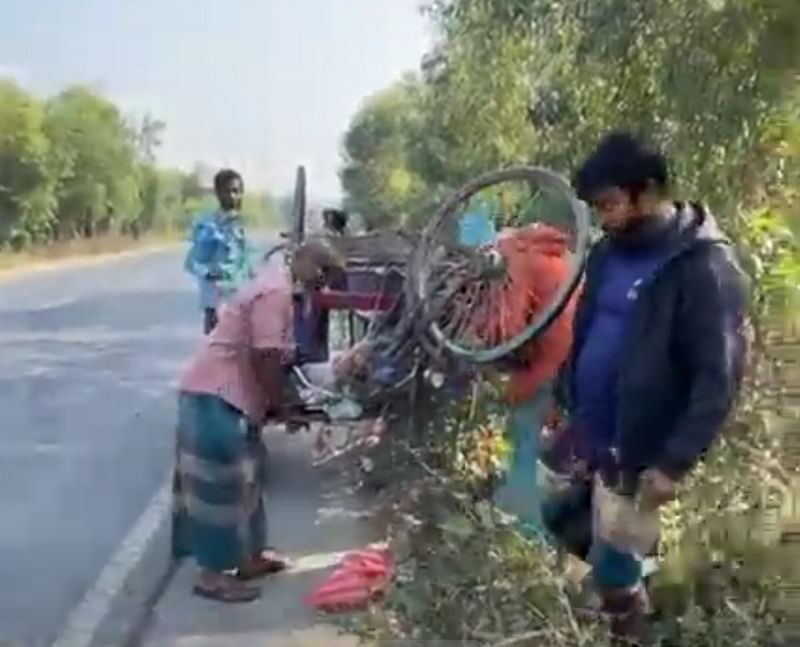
(280, 247)
(458, 275)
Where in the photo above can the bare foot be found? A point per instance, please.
(269, 562)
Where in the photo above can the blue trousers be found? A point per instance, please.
(519, 493)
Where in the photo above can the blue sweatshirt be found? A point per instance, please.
(597, 368)
(685, 344)
(217, 244)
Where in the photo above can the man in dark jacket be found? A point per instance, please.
(657, 358)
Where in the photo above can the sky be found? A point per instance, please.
(260, 85)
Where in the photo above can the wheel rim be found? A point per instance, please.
(422, 267)
(279, 248)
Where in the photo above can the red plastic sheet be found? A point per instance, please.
(362, 576)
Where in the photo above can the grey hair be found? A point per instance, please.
(320, 251)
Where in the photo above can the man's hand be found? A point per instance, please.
(352, 363)
(657, 488)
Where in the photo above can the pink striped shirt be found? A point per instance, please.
(259, 317)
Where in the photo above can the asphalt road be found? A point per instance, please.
(87, 358)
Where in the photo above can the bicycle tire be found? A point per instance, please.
(419, 265)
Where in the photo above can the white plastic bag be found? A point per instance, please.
(549, 482)
(344, 409)
(622, 521)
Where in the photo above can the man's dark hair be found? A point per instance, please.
(224, 177)
(621, 160)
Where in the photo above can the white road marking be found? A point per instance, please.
(84, 620)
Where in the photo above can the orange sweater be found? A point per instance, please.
(538, 264)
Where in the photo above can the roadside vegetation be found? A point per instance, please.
(715, 83)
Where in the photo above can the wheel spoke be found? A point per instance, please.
(479, 322)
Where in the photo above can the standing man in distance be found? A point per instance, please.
(336, 222)
(656, 363)
(217, 257)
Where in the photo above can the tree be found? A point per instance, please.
(702, 79)
(73, 167)
(98, 179)
(377, 176)
(148, 138)
(27, 199)
(478, 94)
(713, 82)
(162, 200)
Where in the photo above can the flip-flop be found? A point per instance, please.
(236, 593)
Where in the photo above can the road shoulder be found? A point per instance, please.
(82, 260)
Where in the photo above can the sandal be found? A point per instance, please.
(267, 563)
(229, 590)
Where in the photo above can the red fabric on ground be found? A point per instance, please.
(362, 576)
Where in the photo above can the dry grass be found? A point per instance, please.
(83, 250)
(76, 250)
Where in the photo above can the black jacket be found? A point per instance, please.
(684, 356)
